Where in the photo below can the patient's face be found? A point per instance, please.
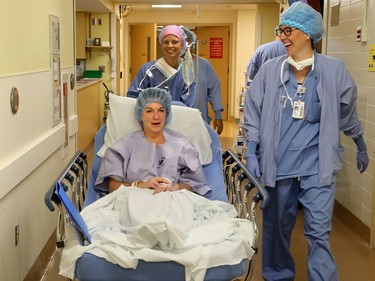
(153, 117)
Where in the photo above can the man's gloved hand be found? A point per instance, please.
(252, 165)
(362, 161)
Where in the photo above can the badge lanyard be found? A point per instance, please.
(298, 107)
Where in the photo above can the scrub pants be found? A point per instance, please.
(279, 218)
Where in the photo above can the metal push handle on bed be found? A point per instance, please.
(240, 184)
(73, 180)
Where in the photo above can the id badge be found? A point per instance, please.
(298, 110)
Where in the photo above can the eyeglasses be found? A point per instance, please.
(287, 31)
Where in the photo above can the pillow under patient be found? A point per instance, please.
(187, 121)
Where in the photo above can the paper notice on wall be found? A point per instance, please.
(216, 48)
(371, 59)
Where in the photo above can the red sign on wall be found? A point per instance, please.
(216, 48)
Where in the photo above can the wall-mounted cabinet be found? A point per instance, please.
(81, 34)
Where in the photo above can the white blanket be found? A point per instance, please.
(132, 224)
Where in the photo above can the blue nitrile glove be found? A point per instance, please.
(362, 161)
(362, 156)
(252, 165)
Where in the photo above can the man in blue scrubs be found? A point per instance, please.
(262, 54)
(298, 105)
(208, 86)
(166, 72)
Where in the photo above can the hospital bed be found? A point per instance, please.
(226, 175)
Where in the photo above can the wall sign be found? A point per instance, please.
(216, 48)
(54, 33)
(371, 59)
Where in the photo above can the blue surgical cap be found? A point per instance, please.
(151, 95)
(189, 34)
(302, 16)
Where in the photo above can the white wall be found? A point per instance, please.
(354, 190)
(30, 146)
(245, 35)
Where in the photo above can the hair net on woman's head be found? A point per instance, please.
(151, 95)
(302, 16)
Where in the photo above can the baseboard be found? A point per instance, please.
(350, 220)
(40, 265)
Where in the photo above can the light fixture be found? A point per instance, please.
(166, 6)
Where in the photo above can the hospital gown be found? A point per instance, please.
(133, 158)
(152, 76)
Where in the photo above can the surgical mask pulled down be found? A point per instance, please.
(188, 68)
(299, 65)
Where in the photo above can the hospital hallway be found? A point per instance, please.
(355, 259)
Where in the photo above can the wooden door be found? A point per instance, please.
(142, 46)
(216, 51)
(81, 34)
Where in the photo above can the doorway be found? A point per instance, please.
(214, 46)
(144, 47)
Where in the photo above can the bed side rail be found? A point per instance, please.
(229, 158)
(244, 193)
(73, 179)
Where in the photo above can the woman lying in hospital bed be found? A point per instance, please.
(156, 208)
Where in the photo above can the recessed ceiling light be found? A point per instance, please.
(168, 6)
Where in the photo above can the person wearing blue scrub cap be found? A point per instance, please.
(151, 95)
(299, 104)
(302, 16)
(154, 157)
(208, 86)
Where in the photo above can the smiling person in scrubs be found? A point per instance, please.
(298, 105)
(166, 72)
